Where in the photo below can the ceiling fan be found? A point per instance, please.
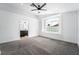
(38, 6)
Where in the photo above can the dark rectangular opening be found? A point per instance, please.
(23, 33)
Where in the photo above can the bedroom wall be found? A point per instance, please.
(78, 29)
(9, 26)
(69, 28)
(33, 27)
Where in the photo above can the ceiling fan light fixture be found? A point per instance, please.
(38, 7)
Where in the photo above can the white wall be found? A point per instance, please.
(33, 27)
(69, 28)
(9, 26)
(24, 24)
(78, 28)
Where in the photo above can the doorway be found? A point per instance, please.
(24, 28)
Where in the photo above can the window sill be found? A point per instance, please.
(51, 32)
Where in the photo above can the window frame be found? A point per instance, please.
(50, 17)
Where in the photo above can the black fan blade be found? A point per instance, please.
(34, 5)
(34, 9)
(44, 9)
(43, 5)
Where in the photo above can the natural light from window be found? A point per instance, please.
(51, 24)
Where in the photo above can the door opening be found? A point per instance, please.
(24, 28)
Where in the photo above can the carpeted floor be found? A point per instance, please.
(38, 46)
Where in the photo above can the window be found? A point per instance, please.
(51, 24)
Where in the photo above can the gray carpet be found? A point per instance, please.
(38, 46)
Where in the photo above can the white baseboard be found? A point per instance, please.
(10, 40)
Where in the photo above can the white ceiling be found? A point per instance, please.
(52, 8)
